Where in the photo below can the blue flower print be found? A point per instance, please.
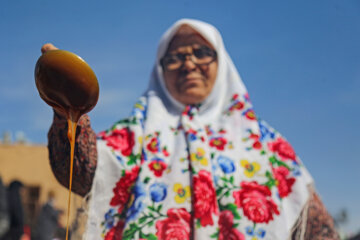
(191, 137)
(265, 131)
(260, 233)
(158, 192)
(214, 167)
(139, 111)
(109, 218)
(249, 231)
(296, 171)
(226, 164)
(255, 233)
(138, 204)
(120, 159)
(143, 155)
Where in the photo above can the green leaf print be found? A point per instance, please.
(151, 237)
(233, 208)
(214, 235)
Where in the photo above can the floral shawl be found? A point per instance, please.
(211, 171)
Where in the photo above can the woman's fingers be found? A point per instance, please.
(47, 47)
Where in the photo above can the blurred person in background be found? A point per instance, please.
(48, 220)
(16, 212)
(4, 215)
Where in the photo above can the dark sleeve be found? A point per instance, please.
(85, 155)
(320, 225)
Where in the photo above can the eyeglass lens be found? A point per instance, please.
(201, 55)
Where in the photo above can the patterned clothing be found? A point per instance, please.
(210, 171)
(319, 223)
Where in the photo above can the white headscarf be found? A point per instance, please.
(215, 171)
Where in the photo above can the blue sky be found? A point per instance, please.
(299, 60)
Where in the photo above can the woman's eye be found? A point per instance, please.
(202, 52)
(172, 59)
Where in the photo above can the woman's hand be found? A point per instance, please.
(47, 47)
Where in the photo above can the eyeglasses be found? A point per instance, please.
(202, 55)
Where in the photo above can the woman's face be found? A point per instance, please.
(191, 83)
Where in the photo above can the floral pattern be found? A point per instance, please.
(283, 149)
(199, 157)
(235, 104)
(250, 168)
(204, 198)
(284, 182)
(115, 233)
(250, 114)
(226, 164)
(121, 140)
(256, 203)
(175, 227)
(226, 227)
(254, 233)
(218, 143)
(223, 189)
(123, 188)
(182, 193)
(157, 165)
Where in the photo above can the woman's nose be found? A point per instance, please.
(189, 64)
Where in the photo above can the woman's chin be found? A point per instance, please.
(192, 97)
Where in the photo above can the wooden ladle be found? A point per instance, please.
(68, 84)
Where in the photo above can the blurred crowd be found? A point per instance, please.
(13, 226)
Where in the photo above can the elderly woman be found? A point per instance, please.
(193, 161)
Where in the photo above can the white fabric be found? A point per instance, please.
(163, 112)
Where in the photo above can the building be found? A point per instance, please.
(30, 165)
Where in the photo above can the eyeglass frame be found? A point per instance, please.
(184, 55)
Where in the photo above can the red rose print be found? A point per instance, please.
(257, 145)
(283, 148)
(153, 145)
(235, 96)
(102, 135)
(284, 184)
(226, 230)
(222, 131)
(191, 131)
(175, 227)
(115, 232)
(123, 187)
(188, 112)
(121, 140)
(237, 106)
(250, 115)
(157, 166)
(256, 202)
(254, 136)
(165, 152)
(204, 198)
(218, 142)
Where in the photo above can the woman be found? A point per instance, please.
(192, 161)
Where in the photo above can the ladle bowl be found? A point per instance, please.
(67, 83)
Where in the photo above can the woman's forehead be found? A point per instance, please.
(186, 36)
